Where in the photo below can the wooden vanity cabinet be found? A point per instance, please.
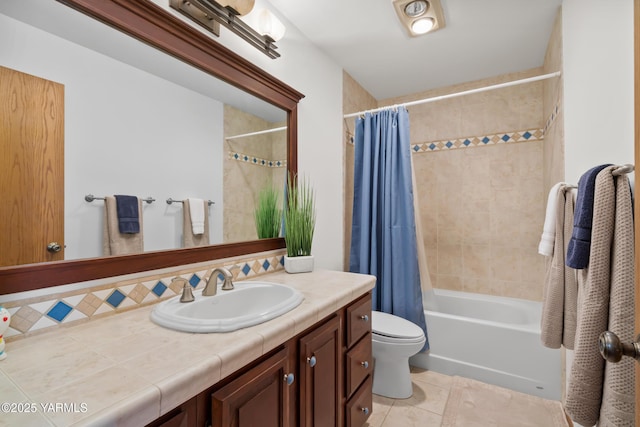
(303, 382)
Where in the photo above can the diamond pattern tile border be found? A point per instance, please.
(527, 135)
(33, 314)
(258, 161)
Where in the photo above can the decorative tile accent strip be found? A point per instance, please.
(476, 141)
(552, 117)
(248, 158)
(35, 314)
(479, 141)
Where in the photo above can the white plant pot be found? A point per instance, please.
(298, 264)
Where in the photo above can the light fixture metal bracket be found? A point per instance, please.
(197, 15)
(210, 15)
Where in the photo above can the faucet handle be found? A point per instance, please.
(187, 293)
(187, 290)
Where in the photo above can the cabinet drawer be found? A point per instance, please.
(358, 320)
(359, 407)
(359, 364)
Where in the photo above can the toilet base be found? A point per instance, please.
(392, 378)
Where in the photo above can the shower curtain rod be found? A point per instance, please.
(465, 92)
(260, 132)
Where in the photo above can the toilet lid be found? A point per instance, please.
(388, 325)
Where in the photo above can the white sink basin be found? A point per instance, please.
(250, 303)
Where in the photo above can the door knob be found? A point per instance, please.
(54, 247)
(612, 349)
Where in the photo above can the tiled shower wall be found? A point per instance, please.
(553, 112)
(251, 163)
(479, 170)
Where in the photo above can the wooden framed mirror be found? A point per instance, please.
(151, 24)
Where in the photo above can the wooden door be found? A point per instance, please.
(31, 168)
(320, 376)
(262, 397)
(636, 49)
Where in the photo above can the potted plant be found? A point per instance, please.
(299, 225)
(268, 215)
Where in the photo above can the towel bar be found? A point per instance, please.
(170, 200)
(90, 198)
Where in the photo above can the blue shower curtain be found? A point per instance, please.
(383, 237)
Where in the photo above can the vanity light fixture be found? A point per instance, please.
(269, 25)
(211, 14)
(420, 16)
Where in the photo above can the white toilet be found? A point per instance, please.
(394, 340)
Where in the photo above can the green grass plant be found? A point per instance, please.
(299, 217)
(268, 214)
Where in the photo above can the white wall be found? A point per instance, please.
(598, 87)
(310, 71)
(598, 84)
(162, 151)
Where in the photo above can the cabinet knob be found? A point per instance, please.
(365, 410)
(289, 379)
(365, 364)
(612, 349)
(311, 361)
(365, 317)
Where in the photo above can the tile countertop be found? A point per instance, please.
(125, 370)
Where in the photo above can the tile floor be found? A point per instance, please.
(423, 409)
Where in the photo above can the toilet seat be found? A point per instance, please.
(393, 329)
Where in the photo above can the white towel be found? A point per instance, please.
(547, 241)
(196, 210)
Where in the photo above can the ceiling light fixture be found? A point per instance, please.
(416, 8)
(422, 25)
(211, 14)
(420, 16)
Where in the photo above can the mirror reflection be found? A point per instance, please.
(139, 122)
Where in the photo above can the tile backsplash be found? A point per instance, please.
(37, 314)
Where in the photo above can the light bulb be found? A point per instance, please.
(269, 25)
(423, 25)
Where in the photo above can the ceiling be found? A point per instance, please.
(482, 38)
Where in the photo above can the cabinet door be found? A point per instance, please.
(321, 375)
(261, 397)
(183, 416)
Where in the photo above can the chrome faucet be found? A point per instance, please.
(212, 284)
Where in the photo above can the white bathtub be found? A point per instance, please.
(491, 339)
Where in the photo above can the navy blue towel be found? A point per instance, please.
(580, 242)
(128, 215)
